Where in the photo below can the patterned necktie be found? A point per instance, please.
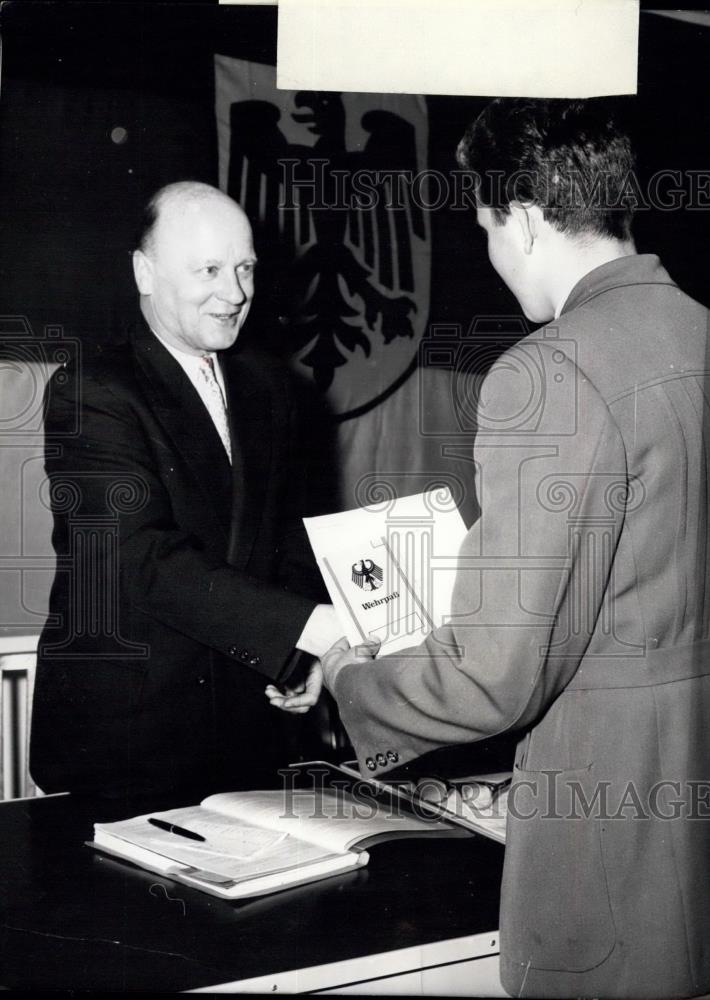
(218, 406)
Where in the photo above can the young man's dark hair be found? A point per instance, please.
(569, 157)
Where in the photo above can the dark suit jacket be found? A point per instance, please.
(178, 592)
(581, 619)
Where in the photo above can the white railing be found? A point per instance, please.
(18, 655)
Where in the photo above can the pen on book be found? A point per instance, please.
(179, 830)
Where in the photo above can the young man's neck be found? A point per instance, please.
(576, 259)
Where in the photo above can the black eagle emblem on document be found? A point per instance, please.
(343, 220)
(367, 574)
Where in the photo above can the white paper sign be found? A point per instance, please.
(512, 48)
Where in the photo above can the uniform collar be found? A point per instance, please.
(636, 269)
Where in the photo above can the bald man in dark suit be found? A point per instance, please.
(184, 587)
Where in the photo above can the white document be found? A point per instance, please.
(390, 567)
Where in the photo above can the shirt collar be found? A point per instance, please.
(185, 359)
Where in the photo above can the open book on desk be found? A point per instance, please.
(241, 844)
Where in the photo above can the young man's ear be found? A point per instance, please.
(527, 218)
(143, 272)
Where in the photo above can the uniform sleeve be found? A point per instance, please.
(534, 572)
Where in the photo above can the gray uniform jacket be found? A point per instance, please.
(580, 619)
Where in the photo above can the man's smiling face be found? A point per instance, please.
(197, 277)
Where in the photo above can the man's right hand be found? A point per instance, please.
(302, 697)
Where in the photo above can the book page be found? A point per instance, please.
(237, 849)
(331, 819)
(466, 802)
(489, 819)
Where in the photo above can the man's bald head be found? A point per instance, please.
(194, 267)
(174, 200)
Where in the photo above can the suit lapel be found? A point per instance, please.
(186, 422)
(252, 433)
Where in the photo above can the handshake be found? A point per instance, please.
(322, 637)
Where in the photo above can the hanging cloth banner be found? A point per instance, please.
(336, 187)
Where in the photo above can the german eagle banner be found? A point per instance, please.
(332, 185)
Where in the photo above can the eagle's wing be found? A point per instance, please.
(383, 236)
(257, 153)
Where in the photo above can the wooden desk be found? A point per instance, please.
(73, 919)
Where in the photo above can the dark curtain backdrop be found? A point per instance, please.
(70, 194)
